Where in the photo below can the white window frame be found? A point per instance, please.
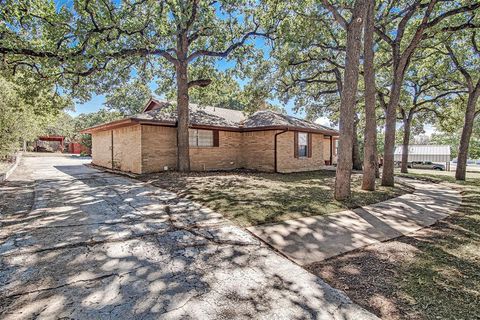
(300, 134)
(194, 138)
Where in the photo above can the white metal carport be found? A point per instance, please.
(419, 152)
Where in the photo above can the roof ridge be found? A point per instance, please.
(193, 104)
(295, 117)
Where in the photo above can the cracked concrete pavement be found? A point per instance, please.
(77, 243)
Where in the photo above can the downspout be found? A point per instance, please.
(112, 146)
(275, 147)
(331, 150)
(176, 150)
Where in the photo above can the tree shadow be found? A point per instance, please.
(97, 245)
(431, 274)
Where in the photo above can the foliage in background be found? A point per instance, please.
(27, 107)
(61, 125)
(229, 90)
(86, 120)
(129, 98)
(453, 139)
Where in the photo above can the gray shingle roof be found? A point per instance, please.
(164, 112)
(199, 115)
(268, 118)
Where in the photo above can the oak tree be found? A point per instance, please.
(106, 40)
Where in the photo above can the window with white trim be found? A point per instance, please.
(303, 144)
(200, 138)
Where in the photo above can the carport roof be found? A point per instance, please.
(418, 149)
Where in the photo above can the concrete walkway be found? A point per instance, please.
(311, 239)
(77, 243)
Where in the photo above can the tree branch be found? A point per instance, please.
(199, 82)
(457, 64)
(338, 17)
(447, 14)
(226, 52)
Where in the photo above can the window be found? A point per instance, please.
(302, 144)
(202, 138)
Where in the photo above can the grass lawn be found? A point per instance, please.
(432, 274)
(252, 198)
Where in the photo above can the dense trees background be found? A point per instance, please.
(27, 107)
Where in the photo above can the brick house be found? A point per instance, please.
(220, 139)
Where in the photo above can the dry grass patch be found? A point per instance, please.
(252, 198)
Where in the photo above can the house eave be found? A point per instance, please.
(107, 126)
(133, 121)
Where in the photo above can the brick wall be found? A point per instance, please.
(148, 148)
(127, 149)
(226, 156)
(257, 150)
(159, 148)
(102, 148)
(286, 162)
(326, 148)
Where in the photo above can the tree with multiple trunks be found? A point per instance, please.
(101, 38)
(402, 26)
(463, 49)
(426, 93)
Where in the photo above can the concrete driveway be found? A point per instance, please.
(77, 243)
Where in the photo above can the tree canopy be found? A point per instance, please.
(27, 108)
(419, 61)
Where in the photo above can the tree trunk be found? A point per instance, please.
(407, 123)
(356, 158)
(183, 147)
(370, 143)
(390, 129)
(347, 105)
(460, 173)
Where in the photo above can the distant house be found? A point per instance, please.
(220, 139)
